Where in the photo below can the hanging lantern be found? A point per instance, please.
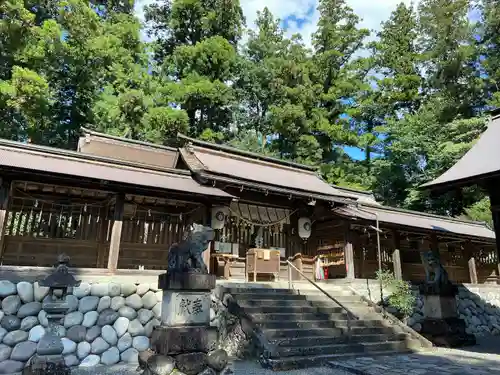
(219, 214)
(305, 227)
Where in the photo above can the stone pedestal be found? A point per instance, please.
(439, 307)
(185, 314)
(441, 324)
(185, 339)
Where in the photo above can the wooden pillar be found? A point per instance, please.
(496, 226)
(471, 262)
(116, 233)
(435, 243)
(349, 253)
(4, 205)
(494, 193)
(472, 270)
(396, 256)
(207, 220)
(102, 237)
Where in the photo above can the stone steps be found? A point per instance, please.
(306, 328)
(258, 296)
(319, 323)
(334, 312)
(274, 303)
(257, 291)
(363, 348)
(342, 299)
(291, 309)
(292, 363)
(332, 340)
(275, 333)
(297, 316)
(333, 292)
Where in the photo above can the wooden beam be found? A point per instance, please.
(86, 183)
(396, 256)
(116, 233)
(5, 190)
(349, 253)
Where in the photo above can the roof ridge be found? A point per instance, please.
(250, 154)
(366, 192)
(70, 154)
(126, 140)
(402, 210)
(218, 152)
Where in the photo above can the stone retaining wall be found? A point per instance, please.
(107, 323)
(478, 305)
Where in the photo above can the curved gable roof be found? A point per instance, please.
(480, 162)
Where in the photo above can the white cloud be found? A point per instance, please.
(372, 12)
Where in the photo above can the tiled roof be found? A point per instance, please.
(19, 156)
(222, 163)
(421, 220)
(480, 162)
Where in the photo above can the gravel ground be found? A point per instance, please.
(482, 359)
(240, 368)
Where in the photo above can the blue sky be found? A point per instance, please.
(301, 16)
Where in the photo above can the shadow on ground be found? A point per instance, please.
(432, 362)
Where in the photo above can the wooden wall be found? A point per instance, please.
(148, 235)
(486, 260)
(37, 229)
(366, 254)
(454, 255)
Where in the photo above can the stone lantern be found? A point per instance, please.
(48, 359)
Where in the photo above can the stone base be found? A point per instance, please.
(186, 281)
(194, 363)
(177, 340)
(448, 333)
(439, 307)
(47, 365)
(447, 290)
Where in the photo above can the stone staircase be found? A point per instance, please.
(304, 328)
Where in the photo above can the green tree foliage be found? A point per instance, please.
(412, 97)
(196, 43)
(489, 48)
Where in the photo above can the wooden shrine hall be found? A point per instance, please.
(117, 205)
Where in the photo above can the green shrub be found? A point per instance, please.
(401, 297)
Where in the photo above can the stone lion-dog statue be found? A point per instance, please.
(186, 256)
(435, 274)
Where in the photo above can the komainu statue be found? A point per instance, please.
(436, 277)
(186, 255)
